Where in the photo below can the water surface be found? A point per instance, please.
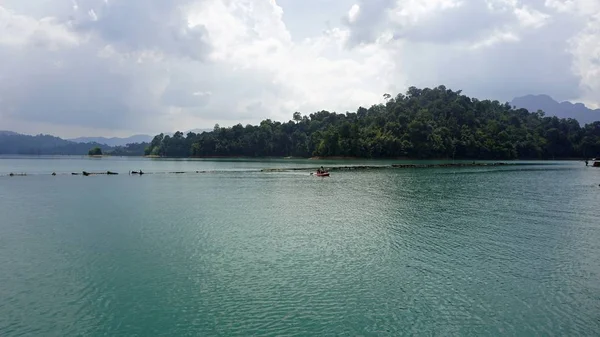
(453, 251)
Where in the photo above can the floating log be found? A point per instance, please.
(395, 166)
(331, 169)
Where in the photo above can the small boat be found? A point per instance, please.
(322, 174)
(596, 162)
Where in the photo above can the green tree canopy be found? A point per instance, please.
(96, 151)
(423, 123)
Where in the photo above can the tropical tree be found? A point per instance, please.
(96, 151)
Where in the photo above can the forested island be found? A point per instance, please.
(421, 124)
(96, 151)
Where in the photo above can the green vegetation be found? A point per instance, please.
(423, 123)
(95, 151)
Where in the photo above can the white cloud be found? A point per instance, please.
(407, 12)
(313, 74)
(93, 15)
(353, 13)
(157, 65)
(134, 25)
(501, 5)
(495, 38)
(202, 93)
(530, 17)
(582, 7)
(20, 30)
(586, 56)
(560, 5)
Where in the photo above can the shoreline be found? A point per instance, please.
(316, 158)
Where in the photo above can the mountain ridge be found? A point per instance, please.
(552, 107)
(122, 141)
(12, 143)
(114, 141)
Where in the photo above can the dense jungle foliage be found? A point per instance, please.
(423, 123)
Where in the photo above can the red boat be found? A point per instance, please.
(322, 174)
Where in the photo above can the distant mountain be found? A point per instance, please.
(136, 139)
(114, 141)
(578, 111)
(14, 143)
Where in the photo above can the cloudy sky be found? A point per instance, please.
(118, 67)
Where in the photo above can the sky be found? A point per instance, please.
(120, 67)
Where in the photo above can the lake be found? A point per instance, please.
(479, 251)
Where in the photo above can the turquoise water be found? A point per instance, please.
(453, 251)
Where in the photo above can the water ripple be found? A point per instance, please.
(387, 253)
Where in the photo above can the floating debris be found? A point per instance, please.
(395, 166)
(311, 169)
(108, 173)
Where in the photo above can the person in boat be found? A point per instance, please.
(322, 169)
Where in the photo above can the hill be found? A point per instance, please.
(551, 107)
(423, 123)
(14, 143)
(114, 141)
